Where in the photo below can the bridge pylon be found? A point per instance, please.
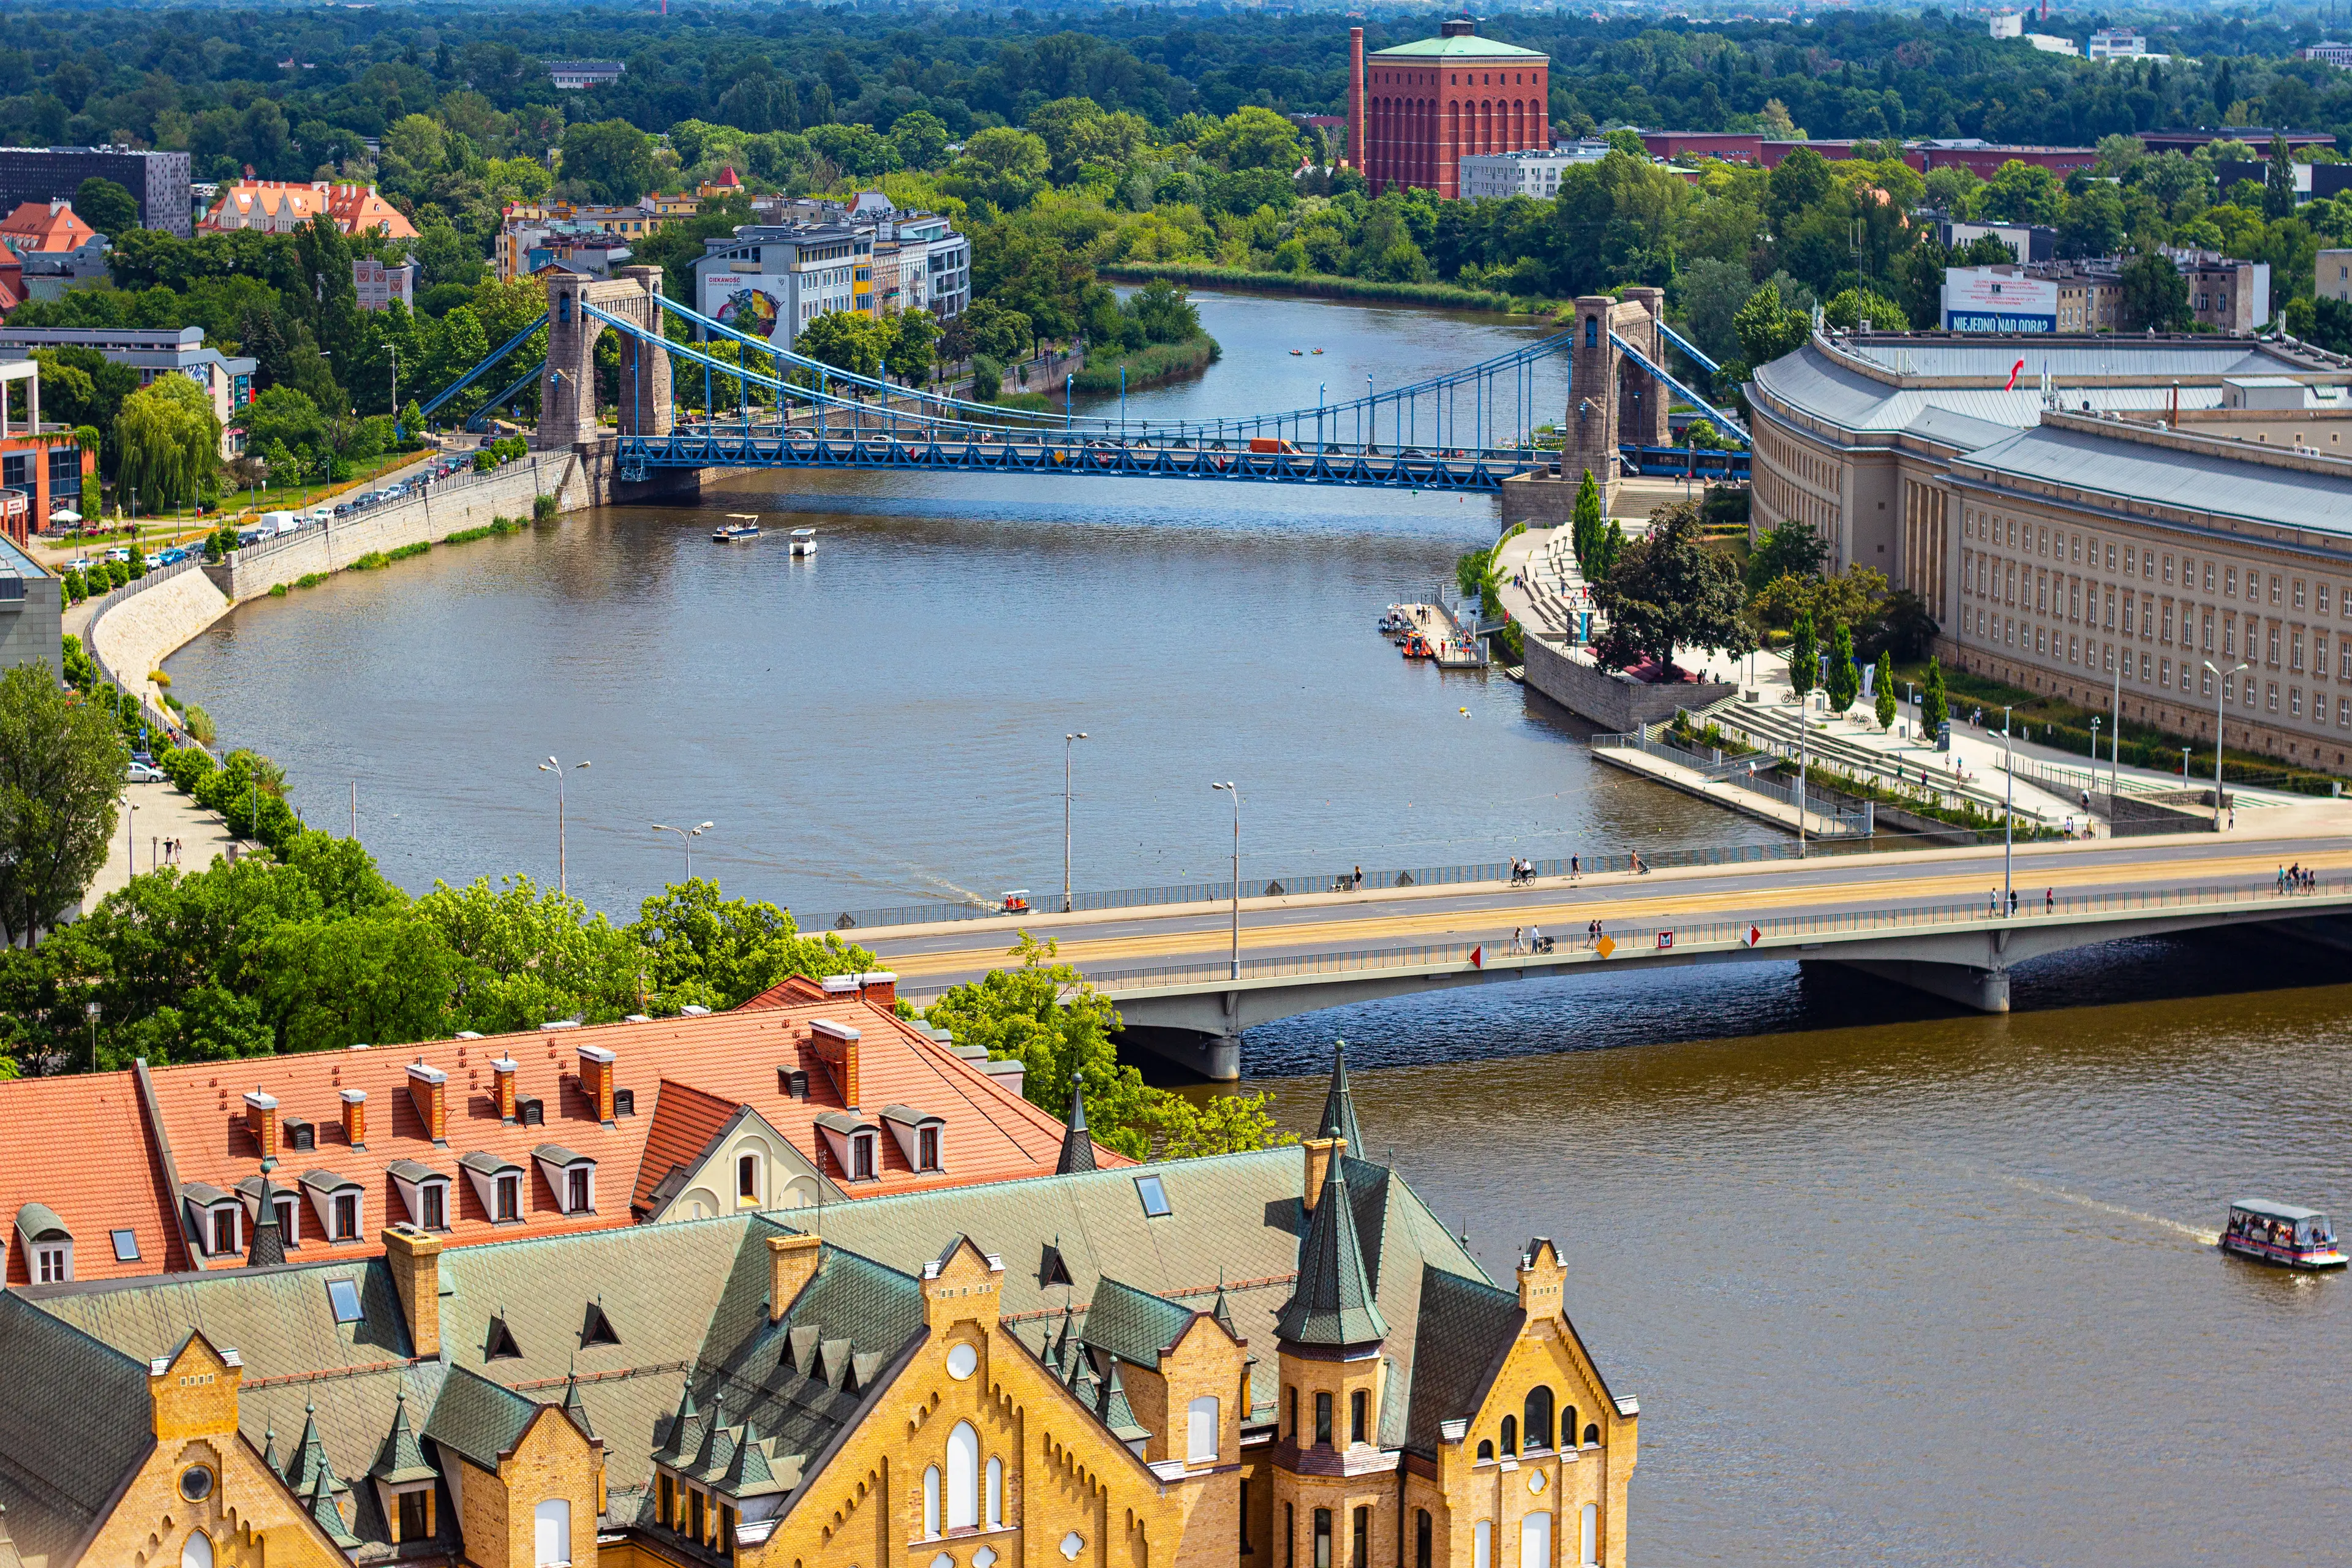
(567, 402)
(1610, 400)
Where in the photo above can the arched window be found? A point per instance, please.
(1486, 1448)
(1534, 1541)
(932, 1503)
(1591, 1436)
(1201, 1431)
(1482, 1544)
(1510, 1435)
(995, 1493)
(550, 1524)
(1538, 1417)
(747, 1177)
(1591, 1531)
(198, 1551)
(1421, 1539)
(963, 1477)
(1568, 1426)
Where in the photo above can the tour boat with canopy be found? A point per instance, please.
(2283, 1234)
(738, 526)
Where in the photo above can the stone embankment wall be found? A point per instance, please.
(1612, 702)
(137, 633)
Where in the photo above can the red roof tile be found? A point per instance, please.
(81, 1146)
(684, 1121)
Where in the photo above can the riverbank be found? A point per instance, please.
(1328, 286)
(1154, 364)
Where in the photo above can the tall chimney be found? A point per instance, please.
(596, 1080)
(355, 1117)
(415, 1260)
(835, 1046)
(792, 1264)
(261, 1120)
(879, 987)
(428, 1090)
(502, 1073)
(1355, 141)
(1320, 1152)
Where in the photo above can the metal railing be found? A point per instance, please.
(1723, 935)
(261, 550)
(156, 716)
(1840, 821)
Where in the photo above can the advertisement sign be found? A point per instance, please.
(1987, 299)
(742, 303)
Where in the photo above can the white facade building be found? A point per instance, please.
(2334, 279)
(1534, 172)
(574, 75)
(2115, 44)
(2008, 24)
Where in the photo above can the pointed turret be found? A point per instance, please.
(1077, 1146)
(683, 1432)
(1332, 1304)
(308, 1460)
(324, 1509)
(1340, 1106)
(268, 1242)
(575, 1408)
(270, 1451)
(748, 1472)
(1220, 1309)
(717, 1448)
(402, 1460)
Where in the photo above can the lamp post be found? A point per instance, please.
(1069, 743)
(89, 1010)
(2220, 683)
(562, 854)
(131, 839)
(1235, 790)
(2008, 817)
(686, 835)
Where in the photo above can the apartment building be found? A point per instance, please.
(281, 206)
(1531, 172)
(2335, 275)
(158, 182)
(808, 257)
(156, 352)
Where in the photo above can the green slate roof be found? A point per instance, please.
(1332, 1303)
(57, 1475)
(1340, 1106)
(402, 1460)
(1422, 51)
(478, 1418)
(1133, 1324)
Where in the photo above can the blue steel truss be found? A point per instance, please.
(475, 375)
(480, 420)
(1689, 348)
(1659, 373)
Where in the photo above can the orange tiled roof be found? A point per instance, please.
(45, 227)
(353, 207)
(79, 1144)
(684, 1121)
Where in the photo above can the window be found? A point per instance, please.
(927, 1149)
(343, 1296)
(289, 1216)
(861, 1157)
(1421, 1545)
(1322, 1538)
(198, 1550)
(223, 1231)
(415, 1521)
(1482, 1544)
(667, 1514)
(963, 1477)
(694, 1514)
(747, 1177)
(126, 1245)
(436, 1206)
(347, 1217)
(931, 1502)
(1591, 1434)
(1323, 1419)
(1360, 1544)
(1200, 1430)
(575, 1191)
(1154, 1197)
(510, 1190)
(52, 1265)
(1534, 1541)
(1591, 1530)
(996, 1496)
(1289, 1536)
(551, 1531)
(1290, 1398)
(1538, 1411)
(1245, 1514)
(1485, 1448)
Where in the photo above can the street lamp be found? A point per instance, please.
(563, 855)
(686, 835)
(2009, 817)
(89, 1009)
(1236, 791)
(2220, 682)
(1069, 743)
(131, 839)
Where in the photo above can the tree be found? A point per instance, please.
(1713, 291)
(1670, 591)
(169, 442)
(914, 335)
(1767, 328)
(106, 206)
(1934, 708)
(1585, 527)
(1790, 549)
(282, 414)
(2022, 193)
(1804, 653)
(921, 139)
(611, 157)
(1252, 138)
(2278, 182)
(62, 761)
(851, 341)
(2154, 294)
(1884, 681)
(1845, 680)
(702, 947)
(1851, 307)
(1001, 166)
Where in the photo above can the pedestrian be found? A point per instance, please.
(1515, 939)
(1359, 879)
(2012, 900)
(1992, 902)
(1575, 867)
(1535, 939)
(2049, 901)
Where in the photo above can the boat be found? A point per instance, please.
(738, 526)
(2280, 1234)
(1318, 350)
(1294, 353)
(804, 542)
(1416, 646)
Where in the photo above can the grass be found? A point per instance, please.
(373, 561)
(1151, 366)
(498, 527)
(1328, 286)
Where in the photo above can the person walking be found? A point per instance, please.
(2049, 901)
(1515, 939)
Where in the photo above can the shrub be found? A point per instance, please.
(409, 551)
(373, 560)
(200, 723)
(545, 509)
(311, 578)
(158, 677)
(277, 590)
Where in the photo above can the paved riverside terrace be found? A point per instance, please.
(1920, 918)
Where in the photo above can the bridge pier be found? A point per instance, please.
(1986, 990)
(1216, 1057)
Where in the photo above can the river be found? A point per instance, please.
(1893, 1287)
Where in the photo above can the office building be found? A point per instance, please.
(158, 182)
(154, 352)
(574, 75)
(2115, 44)
(380, 286)
(1532, 172)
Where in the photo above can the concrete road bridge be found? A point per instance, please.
(1921, 919)
(697, 395)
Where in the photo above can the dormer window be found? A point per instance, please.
(425, 1193)
(861, 1157)
(918, 1134)
(509, 1199)
(52, 1265)
(855, 1144)
(221, 1236)
(571, 1177)
(285, 1204)
(340, 1204)
(498, 1185)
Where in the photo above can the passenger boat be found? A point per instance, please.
(2283, 1234)
(804, 542)
(738, 526)
(1395, 623)
(1416, 646)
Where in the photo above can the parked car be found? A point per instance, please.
(144, 773)
(173, 556)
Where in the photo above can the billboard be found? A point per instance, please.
(1994, 300)
(745, 304)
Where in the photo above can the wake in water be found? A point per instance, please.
(2196, 1233)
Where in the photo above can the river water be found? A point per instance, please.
(1893, 1286)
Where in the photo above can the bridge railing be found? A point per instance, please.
(1839, 819)
(1637, 940)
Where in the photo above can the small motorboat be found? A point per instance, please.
(1416, 646)
(1294, 353)
(2280, 1234)
(739, 527)
(1317, 350)
(804, 542)
(1395, 623)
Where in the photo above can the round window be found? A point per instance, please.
(962, 1362)
(196, 1483)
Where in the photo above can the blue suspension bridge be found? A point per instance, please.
(762, 405)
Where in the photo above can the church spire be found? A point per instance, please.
(1077, 1146)
(1332, 1303)
(1340, 1106)
(268, 1242)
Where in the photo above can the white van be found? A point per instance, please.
(281, 522)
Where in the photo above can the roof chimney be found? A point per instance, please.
(879, 987)
(261, 1120)
(836, 1047)
(1320, 1154)
(355, 1117)
(596, 1080)
(429, 1090)
(792, 1264)
(415, 1259)
(503, 1071)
